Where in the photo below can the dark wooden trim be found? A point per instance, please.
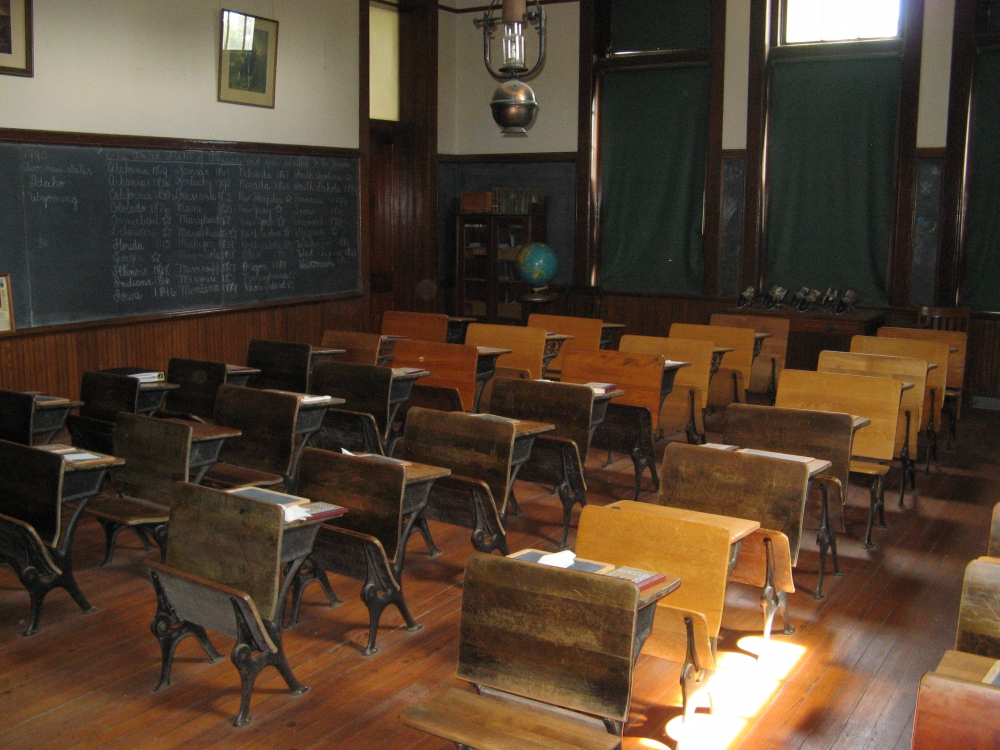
(364, 145)
(840, 49)
(534, 158)
(734, 153)
(13, 135)
(585, 258)
(712, 232)
(988, 39)
(28, 71)
(953, 179)
(656, 59)
(932, 153)
(482, 8)
(752, 261)
(901, 248)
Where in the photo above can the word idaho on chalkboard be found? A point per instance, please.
(90, 233)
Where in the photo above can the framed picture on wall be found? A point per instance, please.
(247, 59)
(16, 54)
(6, 304)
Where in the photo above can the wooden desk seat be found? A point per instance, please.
(199, 382)
(771, 491)
(222, 573)
(684, 407)
(361, 424)
(953, 712)
(586, 333)
(364, 544)
(30, 526)
(283, 365)
(104, 395)
(570, 647)
(361, 348)
(157, 454)
(415, 325)
(527, 345)
(262, 455)
(477, 451)
(978, 629)
(557, 458)
(632, 420)
(452, 368)
(731, 381)
(767, 366)
(873, 398)
(687, 623)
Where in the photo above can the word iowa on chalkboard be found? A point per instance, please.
(93, 232)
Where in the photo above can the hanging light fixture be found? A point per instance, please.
(514, 105)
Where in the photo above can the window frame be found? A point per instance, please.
(782, 26)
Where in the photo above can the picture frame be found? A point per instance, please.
(6, 304)
(248, 56)
(16, 38)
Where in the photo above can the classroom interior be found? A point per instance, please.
(686, 151)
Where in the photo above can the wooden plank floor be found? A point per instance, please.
(847, 677)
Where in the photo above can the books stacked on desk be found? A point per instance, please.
(601, 389)
(295, 508)
(783, 456)
(643, 579)
(397, 371)
(150, 376)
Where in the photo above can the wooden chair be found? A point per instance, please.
(771, 491)
(945, 318)
(687, 623)
(933, 352)
(771, 360)
(978, 629)
(632, 420)
(558, 457)
(364, 544)
(157, 455)
(955, 713)
(199, 383)
(223, 568)
(586, 333)
(262, 455)
(362, 348)
(903, 369)
(478, 452)
(30, 526)
(684, 408)
(363, 422)
(554, 653)
(17, 416)
(731, 381)
(283, 366)
(527, 345)
(821, 434)
(415, 325)
(876, 399)
(104, 395)
(453, 372)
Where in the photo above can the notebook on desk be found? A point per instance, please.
(269, 496)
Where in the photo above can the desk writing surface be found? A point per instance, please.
(76, 464)
(860, 422)
(201, 432)
(738, 528)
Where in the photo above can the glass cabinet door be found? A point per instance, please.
(511, 235)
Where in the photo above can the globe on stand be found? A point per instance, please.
(537, 265)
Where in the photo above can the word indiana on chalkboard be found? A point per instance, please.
(92, 232)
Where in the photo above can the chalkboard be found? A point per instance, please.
(97, 232)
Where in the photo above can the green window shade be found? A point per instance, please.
(654, 139)
(831, 172)
(995, 15)
(981, 289)
(650, 25)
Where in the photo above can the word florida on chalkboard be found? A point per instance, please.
(91, 232)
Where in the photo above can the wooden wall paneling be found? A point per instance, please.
(364, 144)
(712, 234)
(755, 196)
(982, 366)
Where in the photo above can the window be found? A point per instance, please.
(812, 21)
(383, 58)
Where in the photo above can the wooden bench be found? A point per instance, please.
(360, 348)
(363, 422)
(771, 491)
(569, 647)
(586, 333)
(684, 408)
(733, 377)
(30, 526)
(873, 398)
(104, 395)
(283, 365)
(262, 456)
(416, 325)
(687, 623)
(955, 709)
(767, 366)
(224, 563)
(366, 543)
(821, 434)
(557, 458)
(527, 345)
(199, 382)
(978, 630)
(632, 420)
(452, 382)
(905, 370)
(478, 452)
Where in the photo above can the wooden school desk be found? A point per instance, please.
(206, 443)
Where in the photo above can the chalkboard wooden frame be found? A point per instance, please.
(55, 138)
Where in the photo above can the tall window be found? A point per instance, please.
(383, 58)
(812, 21)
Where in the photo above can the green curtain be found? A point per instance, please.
(981, 288)
(995, 15)
(831, 173)
(649, 25)
(654, 138)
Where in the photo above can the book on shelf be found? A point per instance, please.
(602, 388)
(643, 579)
(152, 376)
(269, 496)
(720, 446)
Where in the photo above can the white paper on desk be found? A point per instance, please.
(80, 456)
(562, 559)
(346, 452)
(296, 512)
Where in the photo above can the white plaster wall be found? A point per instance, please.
(148, 67)
(447, 23)
(737, 75)
(935, 73)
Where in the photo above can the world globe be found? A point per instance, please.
(537, 264)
